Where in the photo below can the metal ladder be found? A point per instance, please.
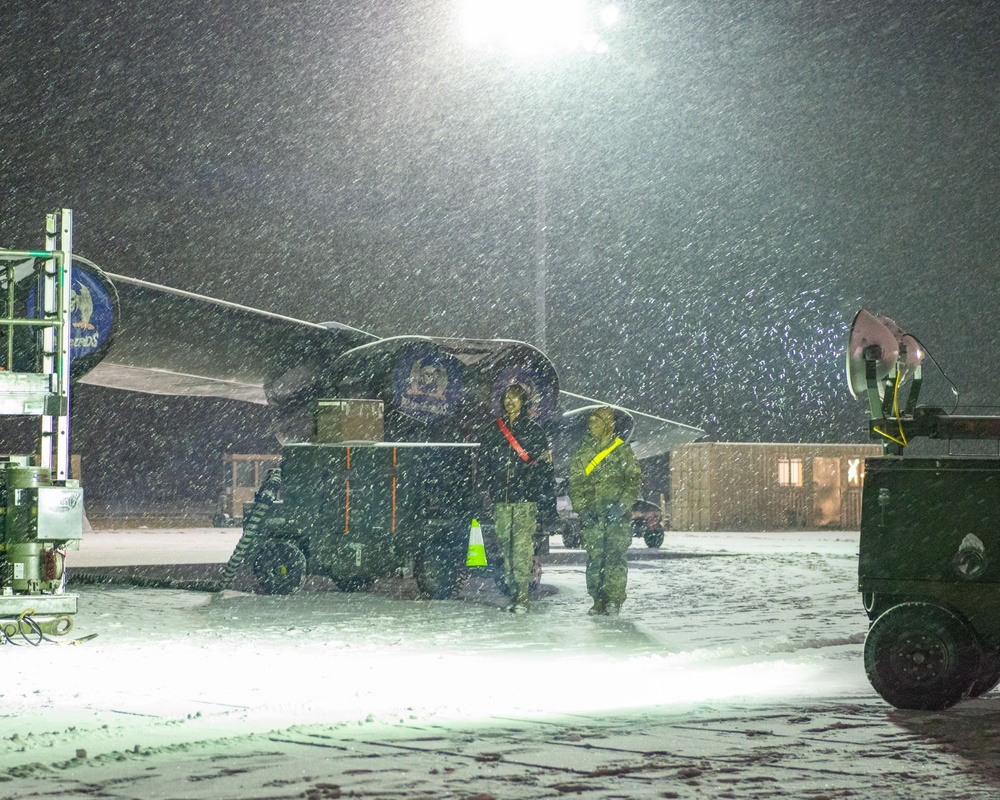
(42, 508)
(43, 391)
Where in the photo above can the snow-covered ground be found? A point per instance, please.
(735, 670)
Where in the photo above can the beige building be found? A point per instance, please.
(720, 486)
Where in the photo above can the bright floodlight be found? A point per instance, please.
(610, 15)
(533, 29)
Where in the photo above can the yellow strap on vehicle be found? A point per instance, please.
(602, 455)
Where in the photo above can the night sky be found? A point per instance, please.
(722, 190)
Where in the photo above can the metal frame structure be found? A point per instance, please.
(42, 508)
(43, 392)
(894, 428)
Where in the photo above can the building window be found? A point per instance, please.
(789, 471)
(246, 475)
(855, 472)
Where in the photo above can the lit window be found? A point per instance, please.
(855, 472)
(789, 471)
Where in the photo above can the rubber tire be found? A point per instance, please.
(989, 673)
(876, 605)
(921, 656)
(653, 539)
(436, 570)
(571, 538)
(280, 567)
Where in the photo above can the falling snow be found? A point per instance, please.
(713, 198)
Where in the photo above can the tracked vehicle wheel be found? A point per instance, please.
(436, 573)
(989, 673)
(280, 567)
(653, 538)
(921, 656)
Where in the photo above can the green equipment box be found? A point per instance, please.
(929, 573)
(931, 531)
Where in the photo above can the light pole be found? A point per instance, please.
(541, 267)
(532, 34)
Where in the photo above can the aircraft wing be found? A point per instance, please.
(649, 435)
(172, 342)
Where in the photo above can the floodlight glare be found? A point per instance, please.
(911, 355)
(879, 340)
(880, 359)
(610, 15)
(532, 29)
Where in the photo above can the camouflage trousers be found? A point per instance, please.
(515, 528)
(607, 545)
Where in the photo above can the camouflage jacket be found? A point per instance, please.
(616, 479)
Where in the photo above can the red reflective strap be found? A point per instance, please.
(347, 495)
(393, 528)
(515, 443)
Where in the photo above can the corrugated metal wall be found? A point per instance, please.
(690, 489)
(720, 486)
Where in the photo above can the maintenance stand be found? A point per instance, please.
(41, 509)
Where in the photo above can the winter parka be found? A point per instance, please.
(504, 475)
(615, 480)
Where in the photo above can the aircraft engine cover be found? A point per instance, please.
(454, 383)
(537, 377)
(426, 382)
(412, 375)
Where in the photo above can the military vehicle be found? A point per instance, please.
(647, 523)
(356, 512)
(929, 561)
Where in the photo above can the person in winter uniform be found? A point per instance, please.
(604, 482)
(515, 469)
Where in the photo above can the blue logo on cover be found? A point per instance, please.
(426, 383)
(92, 314)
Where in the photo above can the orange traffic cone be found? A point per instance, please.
(477, 550)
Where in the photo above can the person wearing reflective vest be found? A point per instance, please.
(515, 471)
(604, 482)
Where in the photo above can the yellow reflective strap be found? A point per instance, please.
(602, 455)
